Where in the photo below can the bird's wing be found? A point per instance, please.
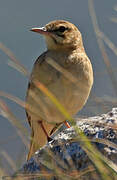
(42, 72)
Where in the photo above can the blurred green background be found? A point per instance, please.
(16, 19)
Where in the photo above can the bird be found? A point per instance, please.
(66, 71)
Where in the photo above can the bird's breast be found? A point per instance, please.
(71, 91)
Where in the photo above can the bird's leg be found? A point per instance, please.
(67, 124)
(48, 138)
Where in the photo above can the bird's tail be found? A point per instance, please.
(39, 136)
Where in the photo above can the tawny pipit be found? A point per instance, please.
(66, 71)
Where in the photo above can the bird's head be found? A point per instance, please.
(60, 35)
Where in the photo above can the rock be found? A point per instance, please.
(64, 157)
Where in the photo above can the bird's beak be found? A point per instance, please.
(41, 30)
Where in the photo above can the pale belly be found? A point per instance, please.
(72, 97)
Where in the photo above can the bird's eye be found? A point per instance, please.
(62, 29)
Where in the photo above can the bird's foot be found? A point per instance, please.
(49, 139)
(67, 124)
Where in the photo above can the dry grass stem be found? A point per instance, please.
(15, 63)
(99, 36)
(6, 112)
(9, 160)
